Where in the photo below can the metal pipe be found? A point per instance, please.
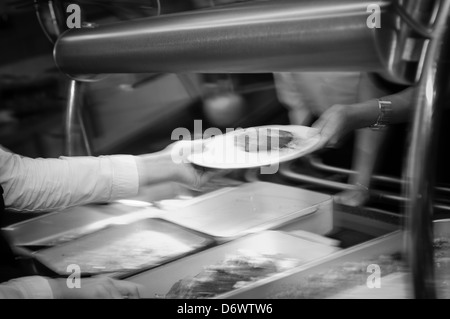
(430, 100)
(260, 37)
(50, 16)
(84, 133)
(288, 173)
(317, 163)
(73, 103)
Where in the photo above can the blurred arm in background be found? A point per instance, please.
(344, 102)
(339, 120)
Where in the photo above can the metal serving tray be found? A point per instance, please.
(124, 249)
(157, 282)
(397, 285)
(68, 224)
(292, 279)
(249, 208)
(62, 226)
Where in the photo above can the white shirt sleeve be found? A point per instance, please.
(34, 287)
(52, 184)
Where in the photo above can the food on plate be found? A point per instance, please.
(140, 249)
(263, 146)
(263, 139)
(235, 271)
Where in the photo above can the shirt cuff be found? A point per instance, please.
(125, 176)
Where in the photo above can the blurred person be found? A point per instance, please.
(40, 185)
(309, 95)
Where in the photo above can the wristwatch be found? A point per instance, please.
(384, 117)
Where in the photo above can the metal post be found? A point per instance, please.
(419, 174)
(73, 116)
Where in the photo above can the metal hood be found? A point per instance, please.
(265, 36)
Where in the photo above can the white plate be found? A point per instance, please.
(221, 152)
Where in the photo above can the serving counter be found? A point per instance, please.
(165, 243)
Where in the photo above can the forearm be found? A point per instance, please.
(50, 184)
(156, 168)
(365, 114)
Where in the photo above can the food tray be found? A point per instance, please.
(124, 248)
(273, 288)
(59, 227)
(249, 208)
(157, 282)
(67, 224)
(396, 282)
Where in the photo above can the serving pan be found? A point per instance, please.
(234, 212)
(395, 283)
(124, 249)
(157, 282)
(62, 226)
